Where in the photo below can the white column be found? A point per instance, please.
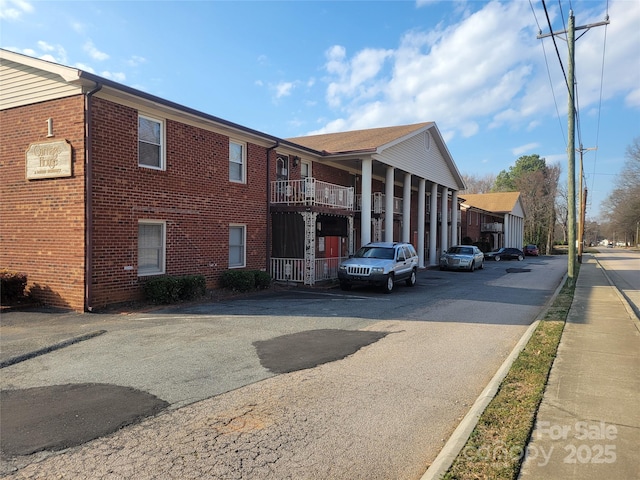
(406, 208)
(433, 225)
(365, 217)
(507, 231)
(444, 210)
(454, 218)
(388, 205)
(421, 219)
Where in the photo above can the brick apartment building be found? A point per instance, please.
(493, 220)
(104, 186)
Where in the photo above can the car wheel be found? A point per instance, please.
(472, 267)
(388, 286)
(497, 258)
(411, 281)
(345, 286)
(520, 258)
(481, 267)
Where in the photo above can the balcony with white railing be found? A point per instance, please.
(310, 192)
(494, 227)
(378, 203)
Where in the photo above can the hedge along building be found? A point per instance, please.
(104, 186)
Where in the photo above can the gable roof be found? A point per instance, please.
(404, 147)
(499, 202)
(368, 140)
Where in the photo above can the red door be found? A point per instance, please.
(332, 247)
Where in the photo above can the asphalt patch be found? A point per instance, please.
(62, 416)
(302, 350)
(518, 270)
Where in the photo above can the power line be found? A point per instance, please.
(604, 47)
(546, 61)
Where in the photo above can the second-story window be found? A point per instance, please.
(237, 161)
(150, 142)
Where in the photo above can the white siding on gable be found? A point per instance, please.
(413, 156)
(517, 210)
(24, 85)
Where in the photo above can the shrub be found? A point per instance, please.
(171, 289)
(245, 280)
(238, 280)
(193, 286)
(12, 285)
(263, 279)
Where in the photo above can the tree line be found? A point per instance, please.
(537, 183)
(545, 201)
(621, 209)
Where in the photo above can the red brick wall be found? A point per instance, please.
(193, 196)
(42, 221)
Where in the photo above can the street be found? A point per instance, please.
(623, 269)
(378, 401)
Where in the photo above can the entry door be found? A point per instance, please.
(332, 247)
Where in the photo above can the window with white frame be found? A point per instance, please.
(237, 161)
(150, 142)
(151, 247)
(237, 240)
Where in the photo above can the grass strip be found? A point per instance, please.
(495, 449)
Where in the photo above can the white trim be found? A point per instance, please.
(163, 260)
(244, 244)
(244, 160)
(163, 142)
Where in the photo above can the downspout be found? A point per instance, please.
(268, 189)
(88, 203)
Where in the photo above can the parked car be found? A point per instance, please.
(462, 257)
(381, 264)
(531, 250)
(505, 254)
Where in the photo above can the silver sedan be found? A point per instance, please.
(462, 257)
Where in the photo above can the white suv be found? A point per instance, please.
(381, 264)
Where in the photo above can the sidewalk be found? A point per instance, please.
(588, 425)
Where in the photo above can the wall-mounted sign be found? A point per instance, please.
(49, 160)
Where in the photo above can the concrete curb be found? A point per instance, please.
(461, 434)
(27, 356)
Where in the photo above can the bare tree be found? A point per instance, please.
(622, 207)
(478, 184)
(562, 211)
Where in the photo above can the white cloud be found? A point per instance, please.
(136, 60)
(116, 76)
(85, 67)
(633, 99)
(475, 74)
(14, 9)
(463, 76)
(355, 78)
(284, 89)
(45, 47)
(528, 148)
(96, 54)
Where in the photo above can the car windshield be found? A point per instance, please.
(375, 252)
(461, 251)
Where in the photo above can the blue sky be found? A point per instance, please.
(291, 68)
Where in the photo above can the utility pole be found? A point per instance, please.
(571, 147)
(583, 205)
